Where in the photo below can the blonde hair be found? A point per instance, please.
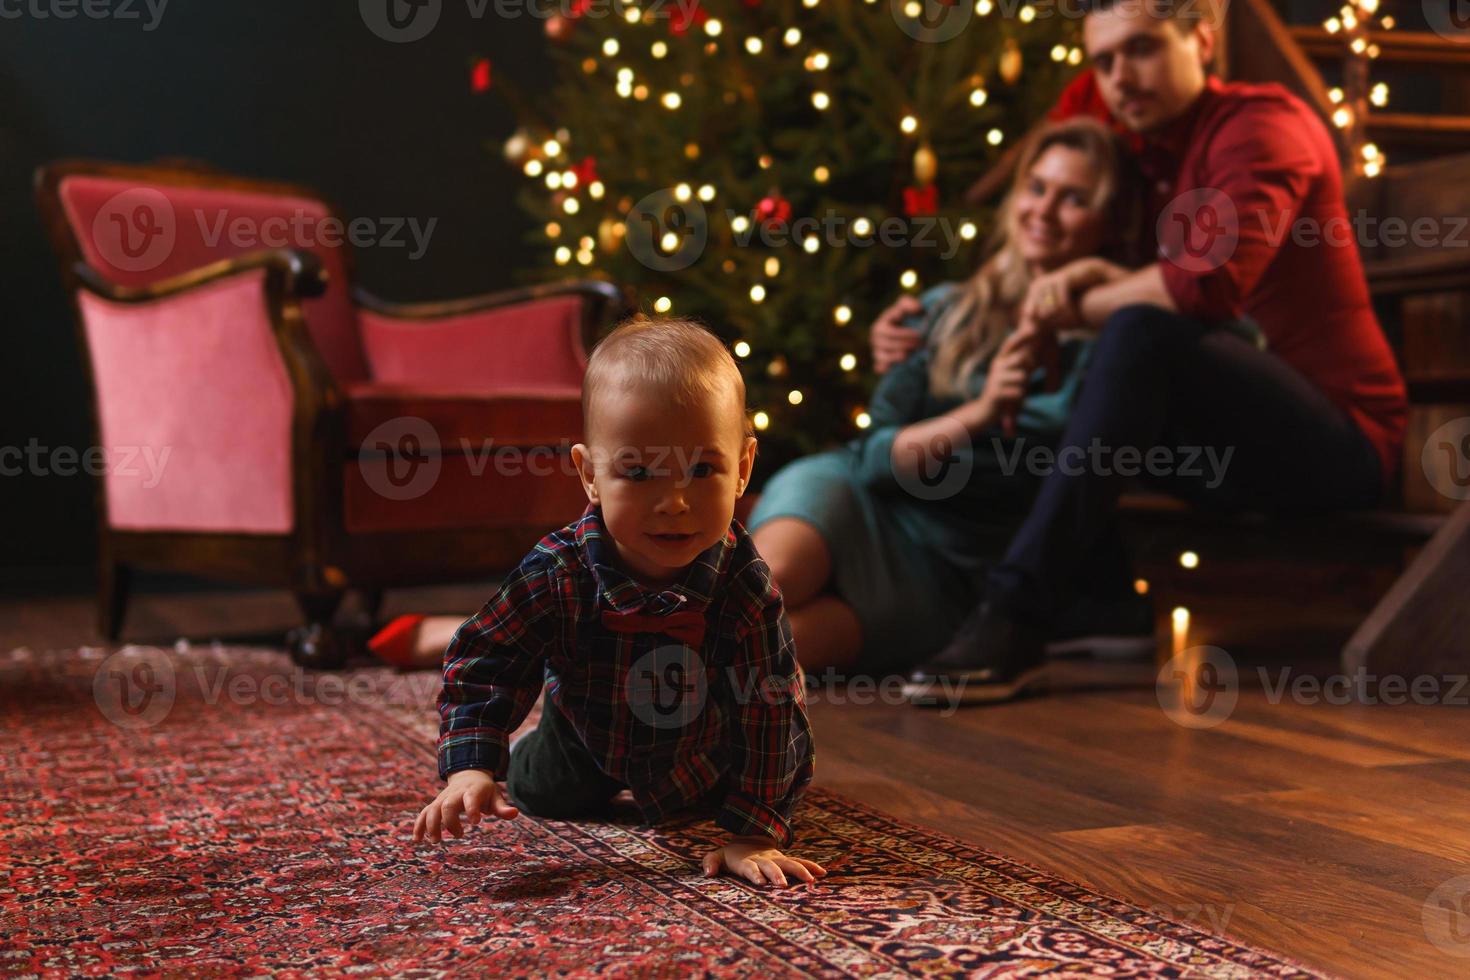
(677, 357)
(985, 309)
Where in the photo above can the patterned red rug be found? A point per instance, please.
(215, 812)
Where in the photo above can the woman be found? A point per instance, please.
(878, 552)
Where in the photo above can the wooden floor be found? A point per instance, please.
(1316, 831)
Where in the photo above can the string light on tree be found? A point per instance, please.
(742, 349)
(757, 293)
(761, 421)
(842, 315)
(663, 304)
(794, 396)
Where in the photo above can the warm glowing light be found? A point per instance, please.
(794, 396)
(533, 168)
(757, 293)
(553, 230)
(670, 242)
(553, 180)
(596, 189)
(739, 223)
(843, 315)
(707, 193)
(862, 227)
(672, 100)
(683, 192)
(659, 49)
(968, 231)
(569, 179)
(1342, 118)
(792, 37)
(773, 267)
(821, 100)
(994, 137)
(978, 97)
(742, 349)
(1188, 559)
(1140, 585)
(983, 7)
(563, 255)
(753, 45)
(1028, 14)
(633, 15)
(1179, 620)
(1370, 151)
(1059, 52)
(571, 205)
(584, 257)
(640, 92)
(909, 279)
(821, 175)
(908, 124)
(663, 304)
(848, 361)
(552, 148)
(863, 420)
(610, 47)
(811, 245)
(713, 27)
(761, 421)
(587, 244)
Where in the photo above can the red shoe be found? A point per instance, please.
(397, 643)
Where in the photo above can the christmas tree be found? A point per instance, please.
(782, 170)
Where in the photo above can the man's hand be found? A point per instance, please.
(1053, 299)
(471, 792)
(759, 862)
(890, 339)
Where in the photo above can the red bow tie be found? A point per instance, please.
(686, 625)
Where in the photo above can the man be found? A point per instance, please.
(1246, 182)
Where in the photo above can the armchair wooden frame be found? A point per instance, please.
(319, 560)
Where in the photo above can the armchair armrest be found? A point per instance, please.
(536, 338)
(301, 274)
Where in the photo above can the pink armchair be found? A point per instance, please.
(261, 422)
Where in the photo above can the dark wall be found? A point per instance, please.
(299, 90)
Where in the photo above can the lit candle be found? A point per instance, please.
(1180, 618)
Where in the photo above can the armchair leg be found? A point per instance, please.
(317, 646)
(114, 582)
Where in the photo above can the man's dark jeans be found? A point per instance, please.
(1159, 379)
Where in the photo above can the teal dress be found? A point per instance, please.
(910, 558)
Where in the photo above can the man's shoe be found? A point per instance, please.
(991, 658)
(1109, 629)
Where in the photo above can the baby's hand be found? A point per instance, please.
(469, 791)
(755, 858)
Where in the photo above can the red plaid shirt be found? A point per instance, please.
(670, 718)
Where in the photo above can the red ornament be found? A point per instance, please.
(684, 16)
(773, 210)
(558, 27)
(586, 171)
(480, 76)
(918, 201)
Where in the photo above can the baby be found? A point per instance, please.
(668, 662)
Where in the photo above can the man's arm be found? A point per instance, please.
(1144, 285)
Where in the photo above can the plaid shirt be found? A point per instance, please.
(670, 719)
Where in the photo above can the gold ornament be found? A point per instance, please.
(1010, 62)
(926, 165)
(609, 234)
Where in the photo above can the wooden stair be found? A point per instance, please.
(1410, 47)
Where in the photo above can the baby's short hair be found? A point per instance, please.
(677, 356)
